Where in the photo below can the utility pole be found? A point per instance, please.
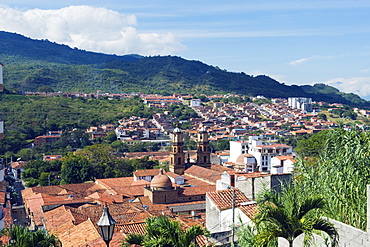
(233, 226)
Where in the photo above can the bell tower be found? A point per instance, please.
(203, 151)
(177, 155)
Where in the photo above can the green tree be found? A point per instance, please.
(119, 146)
(223, 144)
(163, 232)
(138, 147)
(45, 88)
(76, 170)
(25, 238)
(313, 145)
(322, 116)
(288, 214)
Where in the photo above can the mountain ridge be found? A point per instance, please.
(30, 64)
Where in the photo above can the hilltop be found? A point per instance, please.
(30, 64)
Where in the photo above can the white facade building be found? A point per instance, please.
(243, 152)
(304, 104)
(195, 102)
(282, 164)
(220, 212)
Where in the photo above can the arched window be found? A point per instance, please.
(179, 161)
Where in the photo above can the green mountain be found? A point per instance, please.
(30, 64)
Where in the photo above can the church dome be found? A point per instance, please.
(241, 161)
(161, 181)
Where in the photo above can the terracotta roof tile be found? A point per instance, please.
(249, 210)
(197, 190)
(203, 173)
(223, 198)
(132, 228)
(79, 235)
(144, 173)
(220, 168)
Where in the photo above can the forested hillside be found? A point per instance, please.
(30, 64)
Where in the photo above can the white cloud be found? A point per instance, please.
(299, 61)
(357, 85)
(316, 58)
(88, 28)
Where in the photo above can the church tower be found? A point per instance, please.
(203, 151)
(177, 155)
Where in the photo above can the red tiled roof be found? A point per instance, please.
(274, 146)
(132, 228)
(18, 164)
(148, 172)
(223, 198)
(203, 173)
(249, 210)
(220, 168)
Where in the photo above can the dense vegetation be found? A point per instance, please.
(288, 214)
(21, 236)
(31, 64)
(93, 162)
(26, 117)
(166, 232)
(335, 164)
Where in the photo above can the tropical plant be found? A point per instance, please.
(247, 236)
(340, 173)
(288, 214)
(22, 237)
(164, 232)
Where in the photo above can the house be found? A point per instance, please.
(18, 168)
(252, 183)
(195, 102)
(47, 139)
(51, 157)
(282, 164)
(225, 208)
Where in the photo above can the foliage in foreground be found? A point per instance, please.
(22, 237)
(163, 232)
(340, 172)
(287, 215)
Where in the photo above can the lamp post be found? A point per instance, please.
(106, 224)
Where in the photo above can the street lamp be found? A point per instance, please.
(106, 225)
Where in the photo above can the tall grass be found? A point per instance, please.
(340, 173)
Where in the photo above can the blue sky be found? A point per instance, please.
(294, 42)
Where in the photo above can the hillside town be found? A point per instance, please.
(216, 190)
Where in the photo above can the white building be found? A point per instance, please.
(255, 155)
(304, 104)
(264, 154)
(282, 164)
(195, 102)
(220, 210)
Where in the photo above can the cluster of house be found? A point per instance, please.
(293, 116)
(194, 191)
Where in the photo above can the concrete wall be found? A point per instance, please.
(212, 216)
(252, 186)
(349, 236)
